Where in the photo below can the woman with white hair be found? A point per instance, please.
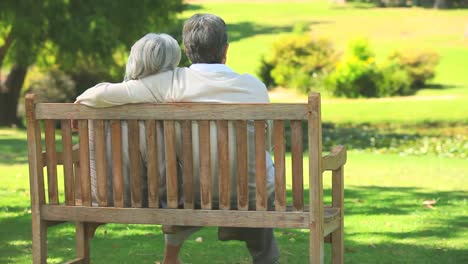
(152, 54)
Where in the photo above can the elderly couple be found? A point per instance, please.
(152, 77)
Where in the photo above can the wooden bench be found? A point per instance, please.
(51, 204)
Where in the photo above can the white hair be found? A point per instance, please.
(152, 54)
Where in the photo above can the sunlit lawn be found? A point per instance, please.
(386, 186)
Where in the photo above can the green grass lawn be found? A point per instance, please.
(403, 150)
(385, 216)
(254, 26)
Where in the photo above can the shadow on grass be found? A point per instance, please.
(13, 151)
(241, 30)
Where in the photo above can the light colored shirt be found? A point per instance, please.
(198, 83)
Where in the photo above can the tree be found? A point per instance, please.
(71, 33)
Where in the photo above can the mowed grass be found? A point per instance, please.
(386, 220)
(253, 26)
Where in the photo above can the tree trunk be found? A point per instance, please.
(440, 4)
(9, 95)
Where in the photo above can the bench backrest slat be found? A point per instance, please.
(297, 165)
(178, 111)
(187, 168)
(205, 164)
(101, 164)
(152, 167)
(224, 182)
(135, 163)
(280, 171)
(242, 169)
(85, 180)
(260, 166)
(67, 155)
(117, 174)
(171, 164)
(51, 161)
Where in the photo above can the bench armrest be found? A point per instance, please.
(335, 159)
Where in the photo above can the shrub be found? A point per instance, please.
(394, 81)
(357, 75)
(298, 61)
(53, 86)
(420, 65)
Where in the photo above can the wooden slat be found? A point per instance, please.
(171, 164)
(152, 164)
(175, 111)
(297, 165)
(51, 161)
(280, 172)
(36, 181)
(135, 163)
(260, 167)
(85, 178)
(59, 157)
(187, 165)
(205, 164)
(242, 169)
(116, 147)
(315, 180)
(75, 261)
(67, 156)
(200, 217)
(224, 183)
(101, 161)
(335, 159)
(338, 201)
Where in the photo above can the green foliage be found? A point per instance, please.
(420, 65)
(53, 86)
(298, 61)
(357, 74)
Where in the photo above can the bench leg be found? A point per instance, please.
(337, 236)
(82, 242)
(39, 241)
(316, 247)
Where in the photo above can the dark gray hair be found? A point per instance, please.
(152, 54)
(205, 38)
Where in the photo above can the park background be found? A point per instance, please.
(406, 187)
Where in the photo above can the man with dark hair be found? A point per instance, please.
(208, 79)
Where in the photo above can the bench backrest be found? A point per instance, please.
(46, 121)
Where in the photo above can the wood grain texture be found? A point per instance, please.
(51, 161)
(338, 202)
(67, 156)
(242, 169)
(85, 176)
(205, 164)
(135, 163)
(223, 165)
(234, 218)
(171, 164)
(152, 164)
(335, 159)
(101, 161)
(187, 165)
(175, 111)
(117, 160)
(297, 165)
(260, 166)
(36, 181)
(280, 171)
(315, 180)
